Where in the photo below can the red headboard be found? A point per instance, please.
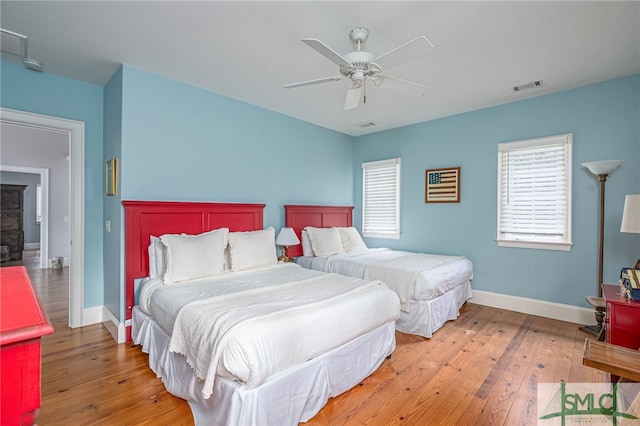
(145, 218)
(297, 217)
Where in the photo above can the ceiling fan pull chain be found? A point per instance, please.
(364, 91)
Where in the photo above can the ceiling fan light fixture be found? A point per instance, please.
(358, 77)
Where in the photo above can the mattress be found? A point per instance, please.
(261, 347)
(437, 275)
(284, 399)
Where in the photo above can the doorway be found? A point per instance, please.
(44, 203)
(75, 132)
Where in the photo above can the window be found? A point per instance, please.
(534, 193)
(381, 199)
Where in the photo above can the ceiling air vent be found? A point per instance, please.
(369, 124)
(532, 85)
(13, 43)
(17, 44)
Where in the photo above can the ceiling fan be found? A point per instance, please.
(360, 66)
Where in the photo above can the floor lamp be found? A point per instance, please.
(602, 169)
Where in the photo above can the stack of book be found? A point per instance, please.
(630, 280)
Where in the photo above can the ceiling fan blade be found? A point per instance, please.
(353, 97)
(410, 51)
(401, 86)
(311, 82)
(327, 52)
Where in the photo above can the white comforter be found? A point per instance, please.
(264, 320)
(416, 276)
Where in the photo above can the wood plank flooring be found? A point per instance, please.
(482, 369)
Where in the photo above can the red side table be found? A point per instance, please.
(622, 321)
(23, 322)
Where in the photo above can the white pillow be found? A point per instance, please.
(252, 248)
(157, 255)
(325, 241)
(194, 256)
(306, 244)
(351, 239)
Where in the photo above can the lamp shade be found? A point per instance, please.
(287, 237)
(631, 214)
(605, 167)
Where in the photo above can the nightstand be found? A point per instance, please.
(622, 320)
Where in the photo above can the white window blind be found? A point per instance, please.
(534, 188)
(381, 199)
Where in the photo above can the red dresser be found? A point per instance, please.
(622, 321)
(22, 322)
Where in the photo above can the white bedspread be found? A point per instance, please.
(265, 320)
(417, 276)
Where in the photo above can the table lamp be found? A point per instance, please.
(631, 217)
(286, 237)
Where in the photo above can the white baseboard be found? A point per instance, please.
(91, 315)
(100, 314)
(542, 308)
(115, 327)
(32, 246)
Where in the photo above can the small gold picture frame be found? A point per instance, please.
(111, 176)
(442, 185)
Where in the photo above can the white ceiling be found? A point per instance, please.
(248, 50)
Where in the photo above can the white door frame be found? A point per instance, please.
(75, 129)
(44, 203)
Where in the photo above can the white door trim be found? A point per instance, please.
(44, 202)
(76, 198)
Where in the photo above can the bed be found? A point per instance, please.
(289, 338)
(432, 288)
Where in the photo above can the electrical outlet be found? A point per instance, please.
(107, 226)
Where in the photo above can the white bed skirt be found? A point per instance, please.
(285, 399)
(427, 316)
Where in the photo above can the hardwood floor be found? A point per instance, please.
(482, 369)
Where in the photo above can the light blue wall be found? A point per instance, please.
(48, 94)
(180, 142)
(604, 119)
(113, 241)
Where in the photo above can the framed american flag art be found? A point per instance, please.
(442, 185)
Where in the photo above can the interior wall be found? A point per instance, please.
(32, 147)
(177, 142)
(113, 232)
(52, 95)
(604, 120)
